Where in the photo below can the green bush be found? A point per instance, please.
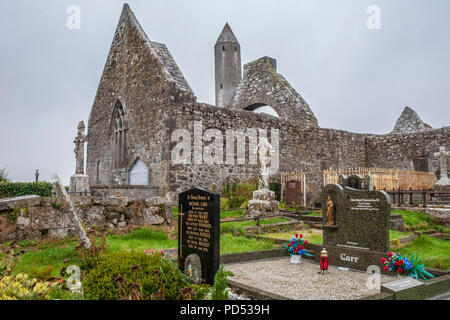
(237, 194)
(137, 275)
(16, 189)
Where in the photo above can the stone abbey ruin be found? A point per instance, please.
(143, 97)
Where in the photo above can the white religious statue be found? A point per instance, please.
(265, 153)
(442, 155)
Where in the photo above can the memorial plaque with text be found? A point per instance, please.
(198, 234)
(362, 218)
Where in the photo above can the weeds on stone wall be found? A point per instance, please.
(235, 195)
(17, 189)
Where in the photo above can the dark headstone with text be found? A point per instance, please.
(361, 218)
(198, 234)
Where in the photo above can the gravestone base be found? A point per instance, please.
(79, 183)
(263, 202)
(347, 257)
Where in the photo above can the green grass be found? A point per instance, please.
(314, 214)
(434, 252)
(234, 244)
(240, 225)
(140, 240)
(394, 234)
(416, 220)
(237, 214)
(42, 255)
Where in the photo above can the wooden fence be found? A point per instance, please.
(386, 179)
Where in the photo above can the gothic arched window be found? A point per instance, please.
(119, 137)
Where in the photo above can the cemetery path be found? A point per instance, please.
(302, 281)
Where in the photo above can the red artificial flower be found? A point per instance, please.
(292, 241)
(301, 235)
(386, 269)
(306, 241)
(296, 235)
(401, 262)
(400, 270)
(390, 254)
(383, 260)
(295, 250)
(289, 244)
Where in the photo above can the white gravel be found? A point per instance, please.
(302, 281)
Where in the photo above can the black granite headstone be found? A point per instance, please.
(198, 234)
(361, 218)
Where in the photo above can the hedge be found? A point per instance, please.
(16, 189)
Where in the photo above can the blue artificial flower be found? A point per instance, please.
(408, 264)
(393, 264)
(301, 252)
(293, 239)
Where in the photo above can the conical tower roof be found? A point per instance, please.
(227, 35)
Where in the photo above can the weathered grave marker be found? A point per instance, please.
(198, 234)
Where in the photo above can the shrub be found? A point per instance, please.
(135, 275)
(21, 287)
(220, 289)
(16, 189)
(238, 193)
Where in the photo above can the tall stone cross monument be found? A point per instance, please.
(79, 182)
(442, 155)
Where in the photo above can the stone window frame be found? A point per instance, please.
(118, 135)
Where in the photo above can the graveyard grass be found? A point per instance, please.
(46, 258)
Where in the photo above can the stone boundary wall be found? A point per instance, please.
(36, 217)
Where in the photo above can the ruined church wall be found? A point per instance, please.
(396, 151)
(310, 149)
(135, 76)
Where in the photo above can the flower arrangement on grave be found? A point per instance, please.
(297, 246)
(404, 266)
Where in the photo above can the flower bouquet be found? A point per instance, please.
(296, 248)
(405, 267)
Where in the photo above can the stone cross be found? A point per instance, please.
(79, 141)
(36, 174)
(265, 152)
(442, 155)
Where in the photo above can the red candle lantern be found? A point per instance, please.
(323, 260)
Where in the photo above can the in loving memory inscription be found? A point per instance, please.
(198, 245)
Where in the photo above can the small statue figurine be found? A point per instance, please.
(36, 174)
(330, 212)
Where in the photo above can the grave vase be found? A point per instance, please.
(296, 259)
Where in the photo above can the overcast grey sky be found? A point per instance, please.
(353, 78)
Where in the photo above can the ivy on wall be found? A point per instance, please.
(16, 189)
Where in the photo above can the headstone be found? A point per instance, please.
(357, 233)
(198, 234)
(293, 192)
(361, 218)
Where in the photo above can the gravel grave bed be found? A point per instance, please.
(302, 281)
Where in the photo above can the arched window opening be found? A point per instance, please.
(262, 108)
(119, 137)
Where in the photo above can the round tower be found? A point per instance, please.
(228, 71)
